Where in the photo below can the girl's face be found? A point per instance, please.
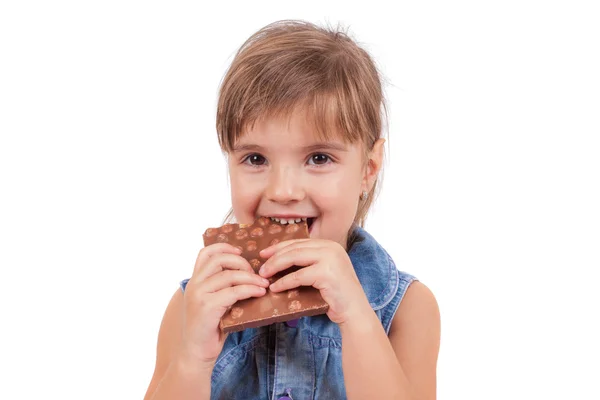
(282, 170)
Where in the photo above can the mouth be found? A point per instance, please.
(293, 220)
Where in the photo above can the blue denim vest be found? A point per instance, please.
(303, 361)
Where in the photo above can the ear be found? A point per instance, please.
(373, 165)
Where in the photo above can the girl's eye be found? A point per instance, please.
(255, 159)
(319, 159)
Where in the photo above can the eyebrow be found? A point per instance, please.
(312, 147)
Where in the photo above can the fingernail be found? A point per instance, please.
(261, 270)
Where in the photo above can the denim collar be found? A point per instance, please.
(374, 267)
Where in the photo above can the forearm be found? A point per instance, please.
(184, 380)
(371, 369)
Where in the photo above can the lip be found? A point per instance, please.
(312, 225)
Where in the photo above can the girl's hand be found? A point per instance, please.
(221, 277)
(327, 268)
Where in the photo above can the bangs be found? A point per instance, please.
(326, 113)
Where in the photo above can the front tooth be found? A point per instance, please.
(298, 219)
(283, 221)
(291, 221)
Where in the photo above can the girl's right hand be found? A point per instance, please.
(221, 277)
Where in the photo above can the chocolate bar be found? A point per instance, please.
(273, 307)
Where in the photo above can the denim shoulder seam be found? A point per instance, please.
(407, 281)
(388, 294)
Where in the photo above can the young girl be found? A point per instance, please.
(300, 119)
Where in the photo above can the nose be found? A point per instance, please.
(284, 186)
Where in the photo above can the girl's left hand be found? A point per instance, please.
(327, 267)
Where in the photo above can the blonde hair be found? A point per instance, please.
(290, 65)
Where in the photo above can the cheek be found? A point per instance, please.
(339, 195)
(244, 198)
(337, 187)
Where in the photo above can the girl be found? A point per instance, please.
(300, 119)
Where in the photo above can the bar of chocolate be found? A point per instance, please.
(273, 307)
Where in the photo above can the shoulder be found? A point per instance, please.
(419, 305)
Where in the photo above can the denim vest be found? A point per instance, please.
(302, 360)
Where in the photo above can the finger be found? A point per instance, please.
(221, 262)
(225, 298)
(207, 252)
(308, 276)
(300, 256)
(227, 279)
(269, 251)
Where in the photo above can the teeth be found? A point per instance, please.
(284, 221)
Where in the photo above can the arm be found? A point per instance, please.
(402, 366)
(176, 376)
(189, 339)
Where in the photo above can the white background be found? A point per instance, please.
(110, 172)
